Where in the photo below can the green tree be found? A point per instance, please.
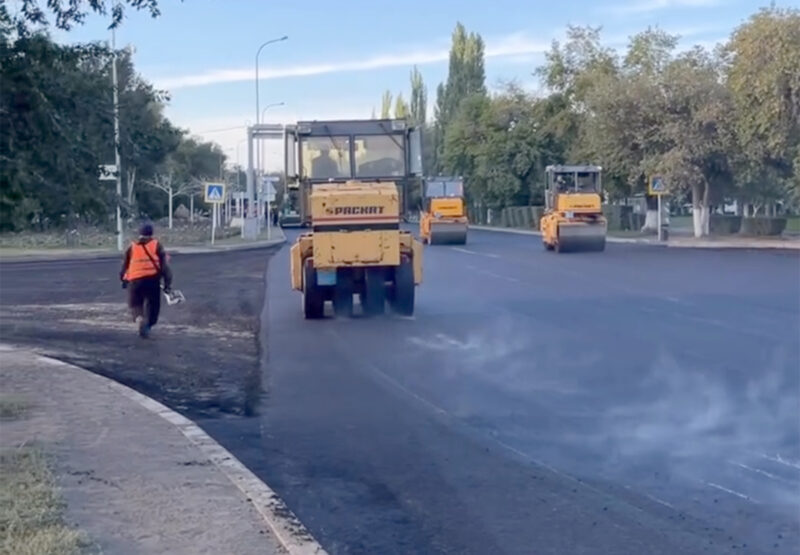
(386, 105)
(419, 98)
(401, 109)
(696, 143)
(64, 14)
(764, 81)
(465, 78)
(55, 104)
(146, 136)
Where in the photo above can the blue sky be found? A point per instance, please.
(341, 56)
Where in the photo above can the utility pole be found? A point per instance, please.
(117, 157)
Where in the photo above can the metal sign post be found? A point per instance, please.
(214, 195)
(658, 188)
(268, 193)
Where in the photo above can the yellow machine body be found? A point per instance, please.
(444, 219)
(574, 219)
(356, 236)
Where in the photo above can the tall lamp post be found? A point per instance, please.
(258, 99)
(251, 177)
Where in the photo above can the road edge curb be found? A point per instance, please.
(532, 232)
(289, 531)
(185, 249)
(791, 246)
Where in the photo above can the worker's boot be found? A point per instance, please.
(144, 327)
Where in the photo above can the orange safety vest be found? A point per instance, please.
(140, 264)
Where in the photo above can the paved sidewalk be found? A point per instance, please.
(131, 480)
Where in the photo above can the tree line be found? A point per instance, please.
(718, 125)
(56, 108)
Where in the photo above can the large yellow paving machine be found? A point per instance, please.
(351, 177)
(444, 218)
(573, 220)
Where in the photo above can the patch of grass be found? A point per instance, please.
(793, 224)
(12, 406)
(31, 520)
(680, 222)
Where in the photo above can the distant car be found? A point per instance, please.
(289, 218)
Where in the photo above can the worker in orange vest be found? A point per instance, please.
(144, 266)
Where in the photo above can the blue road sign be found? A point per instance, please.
(215, 192)
(657, 185)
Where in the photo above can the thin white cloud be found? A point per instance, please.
(513, 46)
(648, 6)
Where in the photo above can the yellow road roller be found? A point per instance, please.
(356, 248)
(351, 178)
(573, 220)
(444, 218)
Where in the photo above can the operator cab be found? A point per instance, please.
(444, 187)
(386, 150)
(570, 180)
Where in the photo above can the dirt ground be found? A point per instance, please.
(202, 357)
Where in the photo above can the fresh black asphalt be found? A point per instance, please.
(640, 400)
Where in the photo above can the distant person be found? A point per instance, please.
(143, 267)
(275, 216)
(323, 166)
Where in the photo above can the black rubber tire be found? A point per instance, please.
(343, 294)
(313, 301)
(601, 246)
(373, 300)
(403, 289)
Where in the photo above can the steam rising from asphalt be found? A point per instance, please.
(570, 405)
(685, 413)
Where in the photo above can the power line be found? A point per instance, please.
(221, 130)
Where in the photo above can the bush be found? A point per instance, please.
(763, 226)
(537, 212)
(724, 225)
(619, 217)
(523, 217)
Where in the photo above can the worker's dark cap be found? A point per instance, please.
(146, 230)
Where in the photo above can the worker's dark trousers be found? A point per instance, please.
(144, 298)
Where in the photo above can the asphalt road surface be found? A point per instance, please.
(641, 400)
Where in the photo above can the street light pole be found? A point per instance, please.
(117, 161)
(251, 194)
(273, 105)
(258, 52)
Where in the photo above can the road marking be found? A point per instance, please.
(651, 497)
(440, 342)
(762, 472)
(467, 251)
(732, 492)
(287, 528)
(492, 274)
(780, 460)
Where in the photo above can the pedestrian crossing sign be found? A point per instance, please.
(215, 193)
(657, 185)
